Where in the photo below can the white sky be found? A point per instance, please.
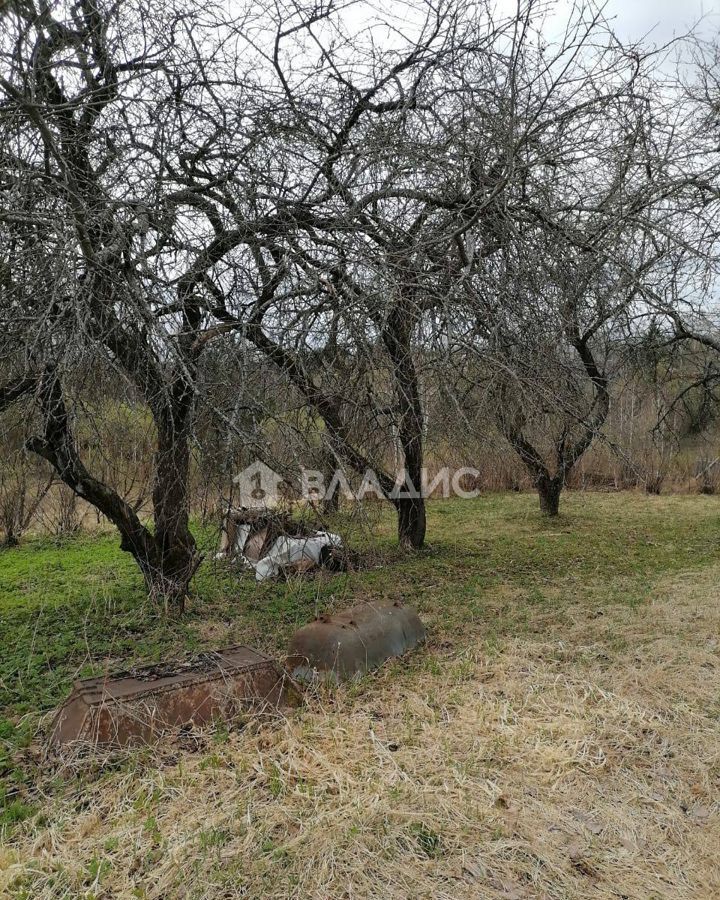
(660, 20)
(665, 18)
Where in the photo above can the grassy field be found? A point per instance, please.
(558, 737)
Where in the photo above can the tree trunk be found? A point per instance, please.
(411, 522)
(328, 465)
(168, 558)
(411, 509)
(176, 551)
(549, 492)
(397, 339)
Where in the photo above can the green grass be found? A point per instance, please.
(492, 566)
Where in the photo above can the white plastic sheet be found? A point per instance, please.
(288, 550)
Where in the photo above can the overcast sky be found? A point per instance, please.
(663, 18)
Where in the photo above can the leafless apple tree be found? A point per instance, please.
(595, 164)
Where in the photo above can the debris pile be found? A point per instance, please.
(270, 542)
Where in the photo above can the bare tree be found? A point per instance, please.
(340, 283)
(116, 134)
(588, 166)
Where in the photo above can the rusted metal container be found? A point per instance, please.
(138, 706)
(354, 641)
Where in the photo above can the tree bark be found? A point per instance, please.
(168, 558)
(331, 504)
(549, 489)
(411, 522)
(175, 545)
(397, 337)
(328, 464)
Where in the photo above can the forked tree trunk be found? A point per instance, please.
(167, 570)
(549, 489)
(168, 557)
(549, 486)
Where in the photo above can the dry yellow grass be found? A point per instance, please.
(582, 769)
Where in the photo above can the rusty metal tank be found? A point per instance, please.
(138, 706)
(348, 644)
